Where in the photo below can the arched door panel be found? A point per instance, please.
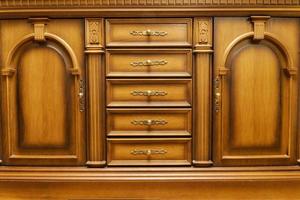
(254, 94)
(43, 121)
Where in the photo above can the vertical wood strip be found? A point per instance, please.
(202, 92)
(1, 117)
(95, 85)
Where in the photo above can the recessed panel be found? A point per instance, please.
(255, 98)
(255, 93)
(149, 122)
(148, 32)
(44, 99)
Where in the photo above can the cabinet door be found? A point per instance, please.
(255, 91)
(42, 76)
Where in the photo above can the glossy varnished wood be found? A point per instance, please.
(149, 122)
(202, 101)
(154, 151)
(171, 32)
(172, 92)
(42, 123)
(255, 94)
(149, 63)
(94, 43)
(211, 190)
(252, 65)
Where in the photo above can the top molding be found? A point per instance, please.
(48, 4)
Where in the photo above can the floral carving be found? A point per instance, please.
(94, 32)
(203, 32)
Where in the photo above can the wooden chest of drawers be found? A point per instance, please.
(149, 32)
(149, 92)
(166, 87)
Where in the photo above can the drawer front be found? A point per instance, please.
(149, 92)
(146, 122)
(149, 32)
(155, 151)
(154, 62)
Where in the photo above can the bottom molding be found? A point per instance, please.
(136, 174)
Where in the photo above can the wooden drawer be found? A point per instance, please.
(155, 151)
(149, 92)
(149, 32)
(149, 122)
(152, 62)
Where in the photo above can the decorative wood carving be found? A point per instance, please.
(96, 100)
(138, 3)
(203, 34)
(33, 134)
(39, 28)
(255, 127)
(259, 23)
(202, 92)
(94, 33)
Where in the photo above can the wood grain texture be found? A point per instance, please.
(149, 32)
(94, 42)
(202, 101)
(42, 124)
(233, 190)
(149, 122)
(149, 62)
(149, 152)
(37, 105)
(260, 144)
(162, 92)
(254, 119)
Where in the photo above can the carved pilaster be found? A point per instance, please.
(202, 91)
(96, 91)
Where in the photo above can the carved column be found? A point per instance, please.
(202, 91)
(94, 40)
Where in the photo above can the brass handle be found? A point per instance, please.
(148, 93)
(217, 97)
(149, 63)
(149, 152)
(149, 122)
(81, 95)
(149, 33)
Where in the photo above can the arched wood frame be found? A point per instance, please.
(286, 64)
(268, 37)
(75, 69)
(67, 54)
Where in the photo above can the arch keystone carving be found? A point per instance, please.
(259, 23)
(39, 28)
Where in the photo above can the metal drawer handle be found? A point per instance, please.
(149, 33)
(149, 122)
(217, 97)
(81, 95)
(148, 63)
(149, 152)
(148, 93)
